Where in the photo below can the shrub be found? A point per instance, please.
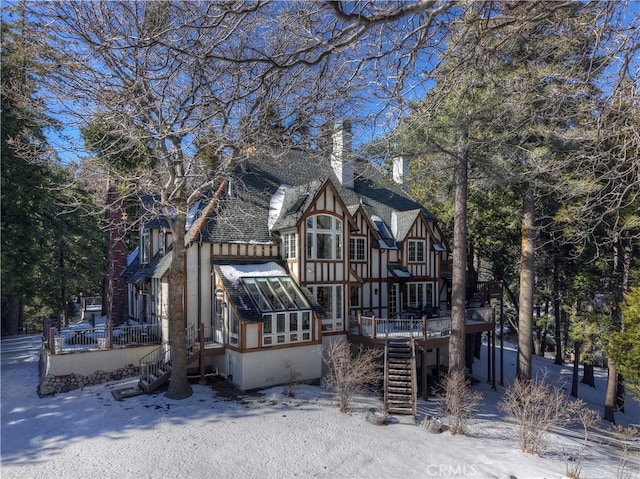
(459, 400)
(348, 372)
(535, 407)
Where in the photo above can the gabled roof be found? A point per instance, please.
(136, 272)
(244, 215)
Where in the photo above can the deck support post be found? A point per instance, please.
(200, 356)
(425, 386)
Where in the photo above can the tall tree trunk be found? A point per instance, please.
(610, 403)
(63, 283)
(527, 285)
(621, 394)
(588, 377)
(610, 397)
(459, 272)
(626, 282)
(12, 316)
(576, 367)
(556, 310)
(179, 386)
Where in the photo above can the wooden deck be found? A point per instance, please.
(427, 332)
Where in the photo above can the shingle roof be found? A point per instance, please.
(136, 272)
(244, 217)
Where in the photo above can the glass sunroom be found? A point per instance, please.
(286, 312)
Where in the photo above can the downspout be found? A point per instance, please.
(199, 287)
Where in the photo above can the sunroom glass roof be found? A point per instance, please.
(275, 293)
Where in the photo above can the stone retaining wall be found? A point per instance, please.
(61, 384)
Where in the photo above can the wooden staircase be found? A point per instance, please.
(155, 367)
(400, 377)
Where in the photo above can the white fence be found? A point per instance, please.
(82, 337)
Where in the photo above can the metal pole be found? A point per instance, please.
(493, 351)
(501, 334)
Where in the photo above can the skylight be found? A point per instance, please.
(275, 293)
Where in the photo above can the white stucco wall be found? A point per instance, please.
(268, 368)
(88, 362)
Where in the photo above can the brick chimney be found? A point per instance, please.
(341, 159)
(116, 294)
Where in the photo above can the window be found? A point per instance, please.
(418, 295)
(416, 251)
(330, 298)
(286, 327)
(286, 311)
(356, 297)
(275, 293)
(289, 245)
(324, 237)
(161, 243)
(383, 231)
(145, 246)
(357, 249)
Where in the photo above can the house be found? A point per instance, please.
(292, 252)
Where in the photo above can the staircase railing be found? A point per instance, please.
(153, 363)
(386, 369)
(414, 379)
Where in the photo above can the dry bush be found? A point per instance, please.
(536, 407)
(348, 372)
(578, 411)
(460, 401)
(628, 434)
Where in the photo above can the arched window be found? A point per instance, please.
(324, 237)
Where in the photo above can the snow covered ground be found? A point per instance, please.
(88, 434)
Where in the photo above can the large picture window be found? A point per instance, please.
(331, 300)
(418, 295)
(324, 237)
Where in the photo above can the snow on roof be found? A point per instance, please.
(235, 272)
(275, 205)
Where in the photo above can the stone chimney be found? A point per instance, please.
(116, 288)
(400, 168)
(341, 159)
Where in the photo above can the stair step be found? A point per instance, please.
(399, 378)
(408, 412)
(398, 390)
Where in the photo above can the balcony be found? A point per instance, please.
(410, 325)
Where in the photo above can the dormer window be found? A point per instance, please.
(161, 243)
(145, 246)
(384, 232)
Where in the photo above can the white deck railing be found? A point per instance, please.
(406, 325)
(83, 337)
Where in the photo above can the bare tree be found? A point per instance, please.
(349, 372)
(182, 78)
(536, 407)
(459, 400)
